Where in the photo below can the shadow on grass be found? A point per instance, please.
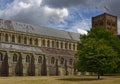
(80, 79)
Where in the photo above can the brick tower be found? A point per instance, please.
(106, 20)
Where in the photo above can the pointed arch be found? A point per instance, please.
(39, 59)
(27, 58)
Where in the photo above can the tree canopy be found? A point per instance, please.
(97, 51)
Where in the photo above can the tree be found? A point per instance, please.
(102, 33)
(95, 53)
(110, 38)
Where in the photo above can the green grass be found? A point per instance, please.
(60, 80)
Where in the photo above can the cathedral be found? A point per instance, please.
(27, 50)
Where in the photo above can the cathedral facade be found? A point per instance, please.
(27, 50)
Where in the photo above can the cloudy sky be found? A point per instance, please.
(69, 15)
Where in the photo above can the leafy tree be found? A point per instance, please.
(102, 33)
(95, 54)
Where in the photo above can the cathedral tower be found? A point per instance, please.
(106, 20)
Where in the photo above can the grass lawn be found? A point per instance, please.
(60, 80)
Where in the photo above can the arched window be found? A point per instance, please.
(27, 58)
(19, 39)
(113, 24)
(62, 61)
(36, 41)
(61, 45)
(70, 62)
(69, 45)
(43, 42)
(14, 57)
(25, 40)
(6, 37)
(73, 46)
(52, 60)
(57, 44)
(53, 44)
(66, 45)
(31, 41)
(48, 43)
(1, 56)
(13, 38)
(39, 59)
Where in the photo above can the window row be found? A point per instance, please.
(15, 58)
(20, 39)
(111, 23)
(57, 44)
(62, 61)
(99, 23)
(34, 41)
(28, 59)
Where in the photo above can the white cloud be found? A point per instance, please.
(57, 15)
(82, 31)
(24, 5)
(32, 12)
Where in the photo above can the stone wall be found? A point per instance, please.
(19, 63)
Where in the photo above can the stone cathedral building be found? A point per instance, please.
(27, 50)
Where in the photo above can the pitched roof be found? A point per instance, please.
(17, 26)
